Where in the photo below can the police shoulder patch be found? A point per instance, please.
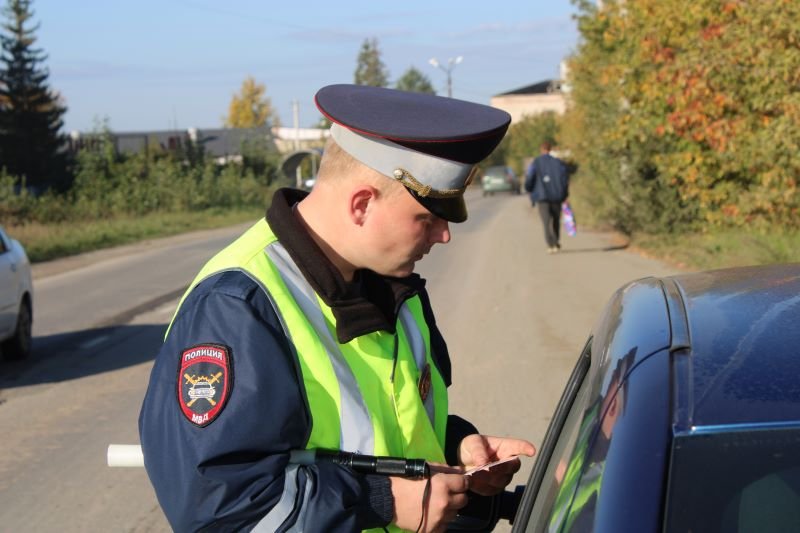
(205, 381)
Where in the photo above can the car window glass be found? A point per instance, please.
(736, 482)
(564, 467)
(3, 245)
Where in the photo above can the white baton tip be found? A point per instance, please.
(125, 455)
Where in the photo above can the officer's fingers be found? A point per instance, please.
(521, 447)
(449, 491)
(457, 501)
(506, 447)
(454, 499)
(456, 483)
(449, 514)
(447, 496)
(474, 450)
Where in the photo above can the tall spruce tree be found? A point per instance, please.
(31, 142)
(370, 69)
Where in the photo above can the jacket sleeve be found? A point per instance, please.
(233, 474)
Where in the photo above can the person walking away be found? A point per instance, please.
(547, 182)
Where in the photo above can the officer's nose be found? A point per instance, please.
(440, 231)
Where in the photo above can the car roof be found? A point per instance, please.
(732, 337)
(739, 338)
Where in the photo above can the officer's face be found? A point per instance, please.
(403, 232)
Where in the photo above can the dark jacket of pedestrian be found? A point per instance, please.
(546, 179)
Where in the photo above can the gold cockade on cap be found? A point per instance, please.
(426, 191)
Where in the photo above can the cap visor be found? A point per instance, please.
(451, 209)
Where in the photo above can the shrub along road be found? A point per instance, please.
(514, 317)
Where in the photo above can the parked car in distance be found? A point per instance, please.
(499, 179)
(682, 413)
(16, 299)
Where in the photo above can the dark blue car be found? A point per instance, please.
(682, 413)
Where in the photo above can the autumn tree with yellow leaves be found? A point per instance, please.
(687, 114)
(251, 108)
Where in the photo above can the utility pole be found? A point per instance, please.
(451, 64)
(296, 119)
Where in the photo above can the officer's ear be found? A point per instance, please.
(362, 202)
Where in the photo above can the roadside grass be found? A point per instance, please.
(43, 242)
(700, 251)
(715, 248)
(722, 248)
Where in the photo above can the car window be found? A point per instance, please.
(4, 246)
(552, 477)
(735, 481)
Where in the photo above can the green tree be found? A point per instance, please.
(31, 142)
(685, 115)
(526, 136)
(251, 108)
(370, 69)
(323, 123)
(260, 157)
(415, 81)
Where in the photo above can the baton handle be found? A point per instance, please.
(130, 455)
(365, 464)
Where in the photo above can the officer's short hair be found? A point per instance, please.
(339, 166)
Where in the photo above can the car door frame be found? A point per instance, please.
(565, 405)
(636, 326)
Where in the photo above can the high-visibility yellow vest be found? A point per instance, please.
(361, 396)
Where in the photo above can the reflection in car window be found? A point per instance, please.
(552, 499)
(575, 472)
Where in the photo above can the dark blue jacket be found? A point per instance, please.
(227, 475)
(547, 179)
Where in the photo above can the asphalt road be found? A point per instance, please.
(515, 319)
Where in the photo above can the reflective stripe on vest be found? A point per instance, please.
(355, 424)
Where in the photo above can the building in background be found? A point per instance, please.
(293, 139)
(223, 144)
(540, 97)
(534, 99)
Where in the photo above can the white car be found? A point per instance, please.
(16, 299)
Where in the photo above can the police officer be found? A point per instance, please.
(311, 331)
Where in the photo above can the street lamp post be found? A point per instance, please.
(451, 63)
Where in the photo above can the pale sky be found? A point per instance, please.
(154, 65)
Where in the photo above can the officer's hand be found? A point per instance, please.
(447, 496)
(477, 450)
